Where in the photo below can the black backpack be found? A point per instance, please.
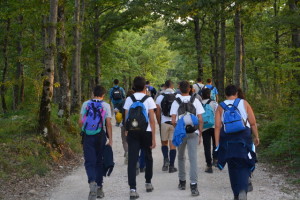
(166, 103)
(187, 108)
(200, 89)
(117, 93)
(137, 118)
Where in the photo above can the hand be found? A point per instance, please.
(200, 140)
(153, 144)
(126, 133)
(256, 141)
(109, 142)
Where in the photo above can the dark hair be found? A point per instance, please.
(162, 85)
(199, 79)
(206, 93)
(168, 83)
(241, 94)
(116, 81)
(191, 90)
(129, 93)
(209, 80)
(184, 86)
(231, 90)
(147, 82)
(99, 91)
(139, 83)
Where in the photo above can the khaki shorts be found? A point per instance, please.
(167, 131)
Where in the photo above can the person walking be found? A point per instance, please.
(140, 127)
(208, 136)
(94, 116)
(186, 115)
(163, 103)
(116, 95)
(214, 91)
(234, 122)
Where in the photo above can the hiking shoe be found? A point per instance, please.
(165, 167)
(93, 191)
(242, 195)
(149, 187)
(142, 170)
(215, 162)
(172, 169)
(181, 185)
(208, 169)
(100, 193)
(133, 194)
(194, 190)
(250, 186)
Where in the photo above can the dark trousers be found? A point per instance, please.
(137, 141)
(93, 146)
(239, 173)
(142, 159)
(208, 136)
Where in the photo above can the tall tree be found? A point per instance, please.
(237, 80)
(198, 45)
(62, 63)
(76, 99)
(221, 71)
(45, 124)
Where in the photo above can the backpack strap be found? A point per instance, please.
(178, 100)
(224, 106)
(144, 99)
(198, 86)
(212, 87)
(193, 97)
(236, 102)
(133, 98)
(208, 101)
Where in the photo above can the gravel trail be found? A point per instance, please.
(214, 186)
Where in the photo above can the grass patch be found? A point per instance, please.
(24, 152)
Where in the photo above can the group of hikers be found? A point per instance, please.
(185, 116)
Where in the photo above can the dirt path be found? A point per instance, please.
(214, 186)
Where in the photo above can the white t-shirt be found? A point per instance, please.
(149, 104)
(158, 102)
(241, 108)
(196, 103)
(214, 106)
(195, 86)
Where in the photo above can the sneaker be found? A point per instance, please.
(165, 167)
(242, 195)
(133, 194)
(100, 193)
(142, 170)
(172, 169)
(93, 191)
(208, 169)
(215, 162)
(149, 187)
(181, 185)
(194, 190)
(250, 186)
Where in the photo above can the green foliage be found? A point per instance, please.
(280, 137)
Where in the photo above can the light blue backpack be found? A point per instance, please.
(208, 116)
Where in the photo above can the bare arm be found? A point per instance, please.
(152, 125)
(158, 114)
(109, 130)
(80, 121)
(252, 121)
(200, 124)
(218, 125)
(174, 120)
(126, 113)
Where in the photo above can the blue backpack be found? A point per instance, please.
(137, 118)
(232, 119)
(93, 118)
(208, 116)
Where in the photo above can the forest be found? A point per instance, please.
(54, 52)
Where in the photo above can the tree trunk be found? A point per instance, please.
(19, 85)
(212, 60)
(244, 70)
(97, 47)
(276, 86)
(76, 61)
(45, 125)
(4, 74)
(216, 52)
(294, 8)
(238, 47)
(221, 72)
(62, 61)
(198, 46)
